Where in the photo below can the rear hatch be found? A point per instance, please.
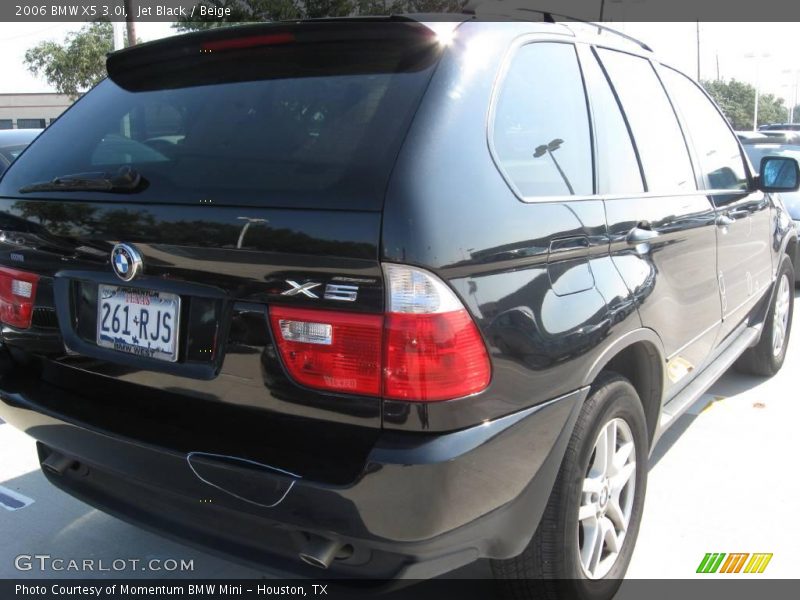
(232, 173)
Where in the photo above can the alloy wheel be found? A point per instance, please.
(780, 319)
(606, 499)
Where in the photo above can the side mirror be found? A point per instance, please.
(779, 174)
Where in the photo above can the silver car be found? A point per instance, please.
(12, 142)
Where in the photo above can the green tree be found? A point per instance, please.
(78, 63)
(59, 218)
(277, 10)
(737, 101)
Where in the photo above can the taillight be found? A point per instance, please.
(17, 295)
(253, 41)
(425, 348)
(432, 348)
(330, 350)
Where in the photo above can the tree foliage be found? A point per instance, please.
(78, 63)
(277, 10)
(737, 101)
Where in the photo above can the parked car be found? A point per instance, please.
(756, 152)
(745, 136)
(769, 137)
(12, 142)
(392, 297)
(780, 126)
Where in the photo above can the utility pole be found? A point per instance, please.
(757, 58)
(793, 86)
(718, 77)
(755, 109)
(697, 31)
(129, 22)
(119, 35)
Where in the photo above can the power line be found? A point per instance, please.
(24, 35)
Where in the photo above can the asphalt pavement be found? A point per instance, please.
(721, 480)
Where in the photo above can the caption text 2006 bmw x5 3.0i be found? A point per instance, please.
(393, 296)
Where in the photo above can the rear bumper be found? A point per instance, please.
(422, 505)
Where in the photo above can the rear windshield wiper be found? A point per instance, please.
(125, 180)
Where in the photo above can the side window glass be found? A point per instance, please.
(541, 134)
(662, 149)
(617, 166)
(716, 146)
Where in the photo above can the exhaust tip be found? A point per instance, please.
(313, 561)
(58, 464)
(320, 552)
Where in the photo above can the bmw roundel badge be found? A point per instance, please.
(126, 261)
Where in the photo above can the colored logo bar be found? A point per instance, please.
(737, 562)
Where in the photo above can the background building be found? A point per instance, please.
(31, 111)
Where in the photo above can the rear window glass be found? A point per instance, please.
(293, 137)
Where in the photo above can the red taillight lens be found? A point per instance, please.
(433, 357)
(426, 348)
(330, 350)
(17, 295)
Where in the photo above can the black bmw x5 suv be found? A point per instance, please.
(394, 296)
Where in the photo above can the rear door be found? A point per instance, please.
(664, 240)
(743, 216)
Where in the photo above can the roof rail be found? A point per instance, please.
(523, 10)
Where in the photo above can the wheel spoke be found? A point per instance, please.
(600, 464)
(622, 455)
(614, 512)
(611, 446)
(587, 511)
(592, 485)
(591, 533)
(597, 547)
(609, 535)
(623, 476)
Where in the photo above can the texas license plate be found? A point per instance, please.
(136, 321)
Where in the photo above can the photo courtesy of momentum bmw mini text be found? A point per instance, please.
(402, 299)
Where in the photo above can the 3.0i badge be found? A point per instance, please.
(126, 262)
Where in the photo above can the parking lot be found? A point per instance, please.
(720, 481)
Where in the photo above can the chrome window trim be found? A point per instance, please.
(508, 58)
(563, 38)
(611, 197)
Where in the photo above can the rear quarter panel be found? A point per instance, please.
(537, 277)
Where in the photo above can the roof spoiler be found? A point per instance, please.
(148, 66)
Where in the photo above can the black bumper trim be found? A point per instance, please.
(423, 505)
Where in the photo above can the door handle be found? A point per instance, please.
(740, 212)
(724, 221)
(641, 234)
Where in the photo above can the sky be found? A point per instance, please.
(774, 50)
(16, 38)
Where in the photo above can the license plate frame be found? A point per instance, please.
(143, 301)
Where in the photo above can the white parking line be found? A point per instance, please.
(11, 500)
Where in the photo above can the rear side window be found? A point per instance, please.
(307, 126)
(541, 136)
(715, 144)
(662, 148)
(617, 166)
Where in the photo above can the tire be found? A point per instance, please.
(766, 358)
(551, 567)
